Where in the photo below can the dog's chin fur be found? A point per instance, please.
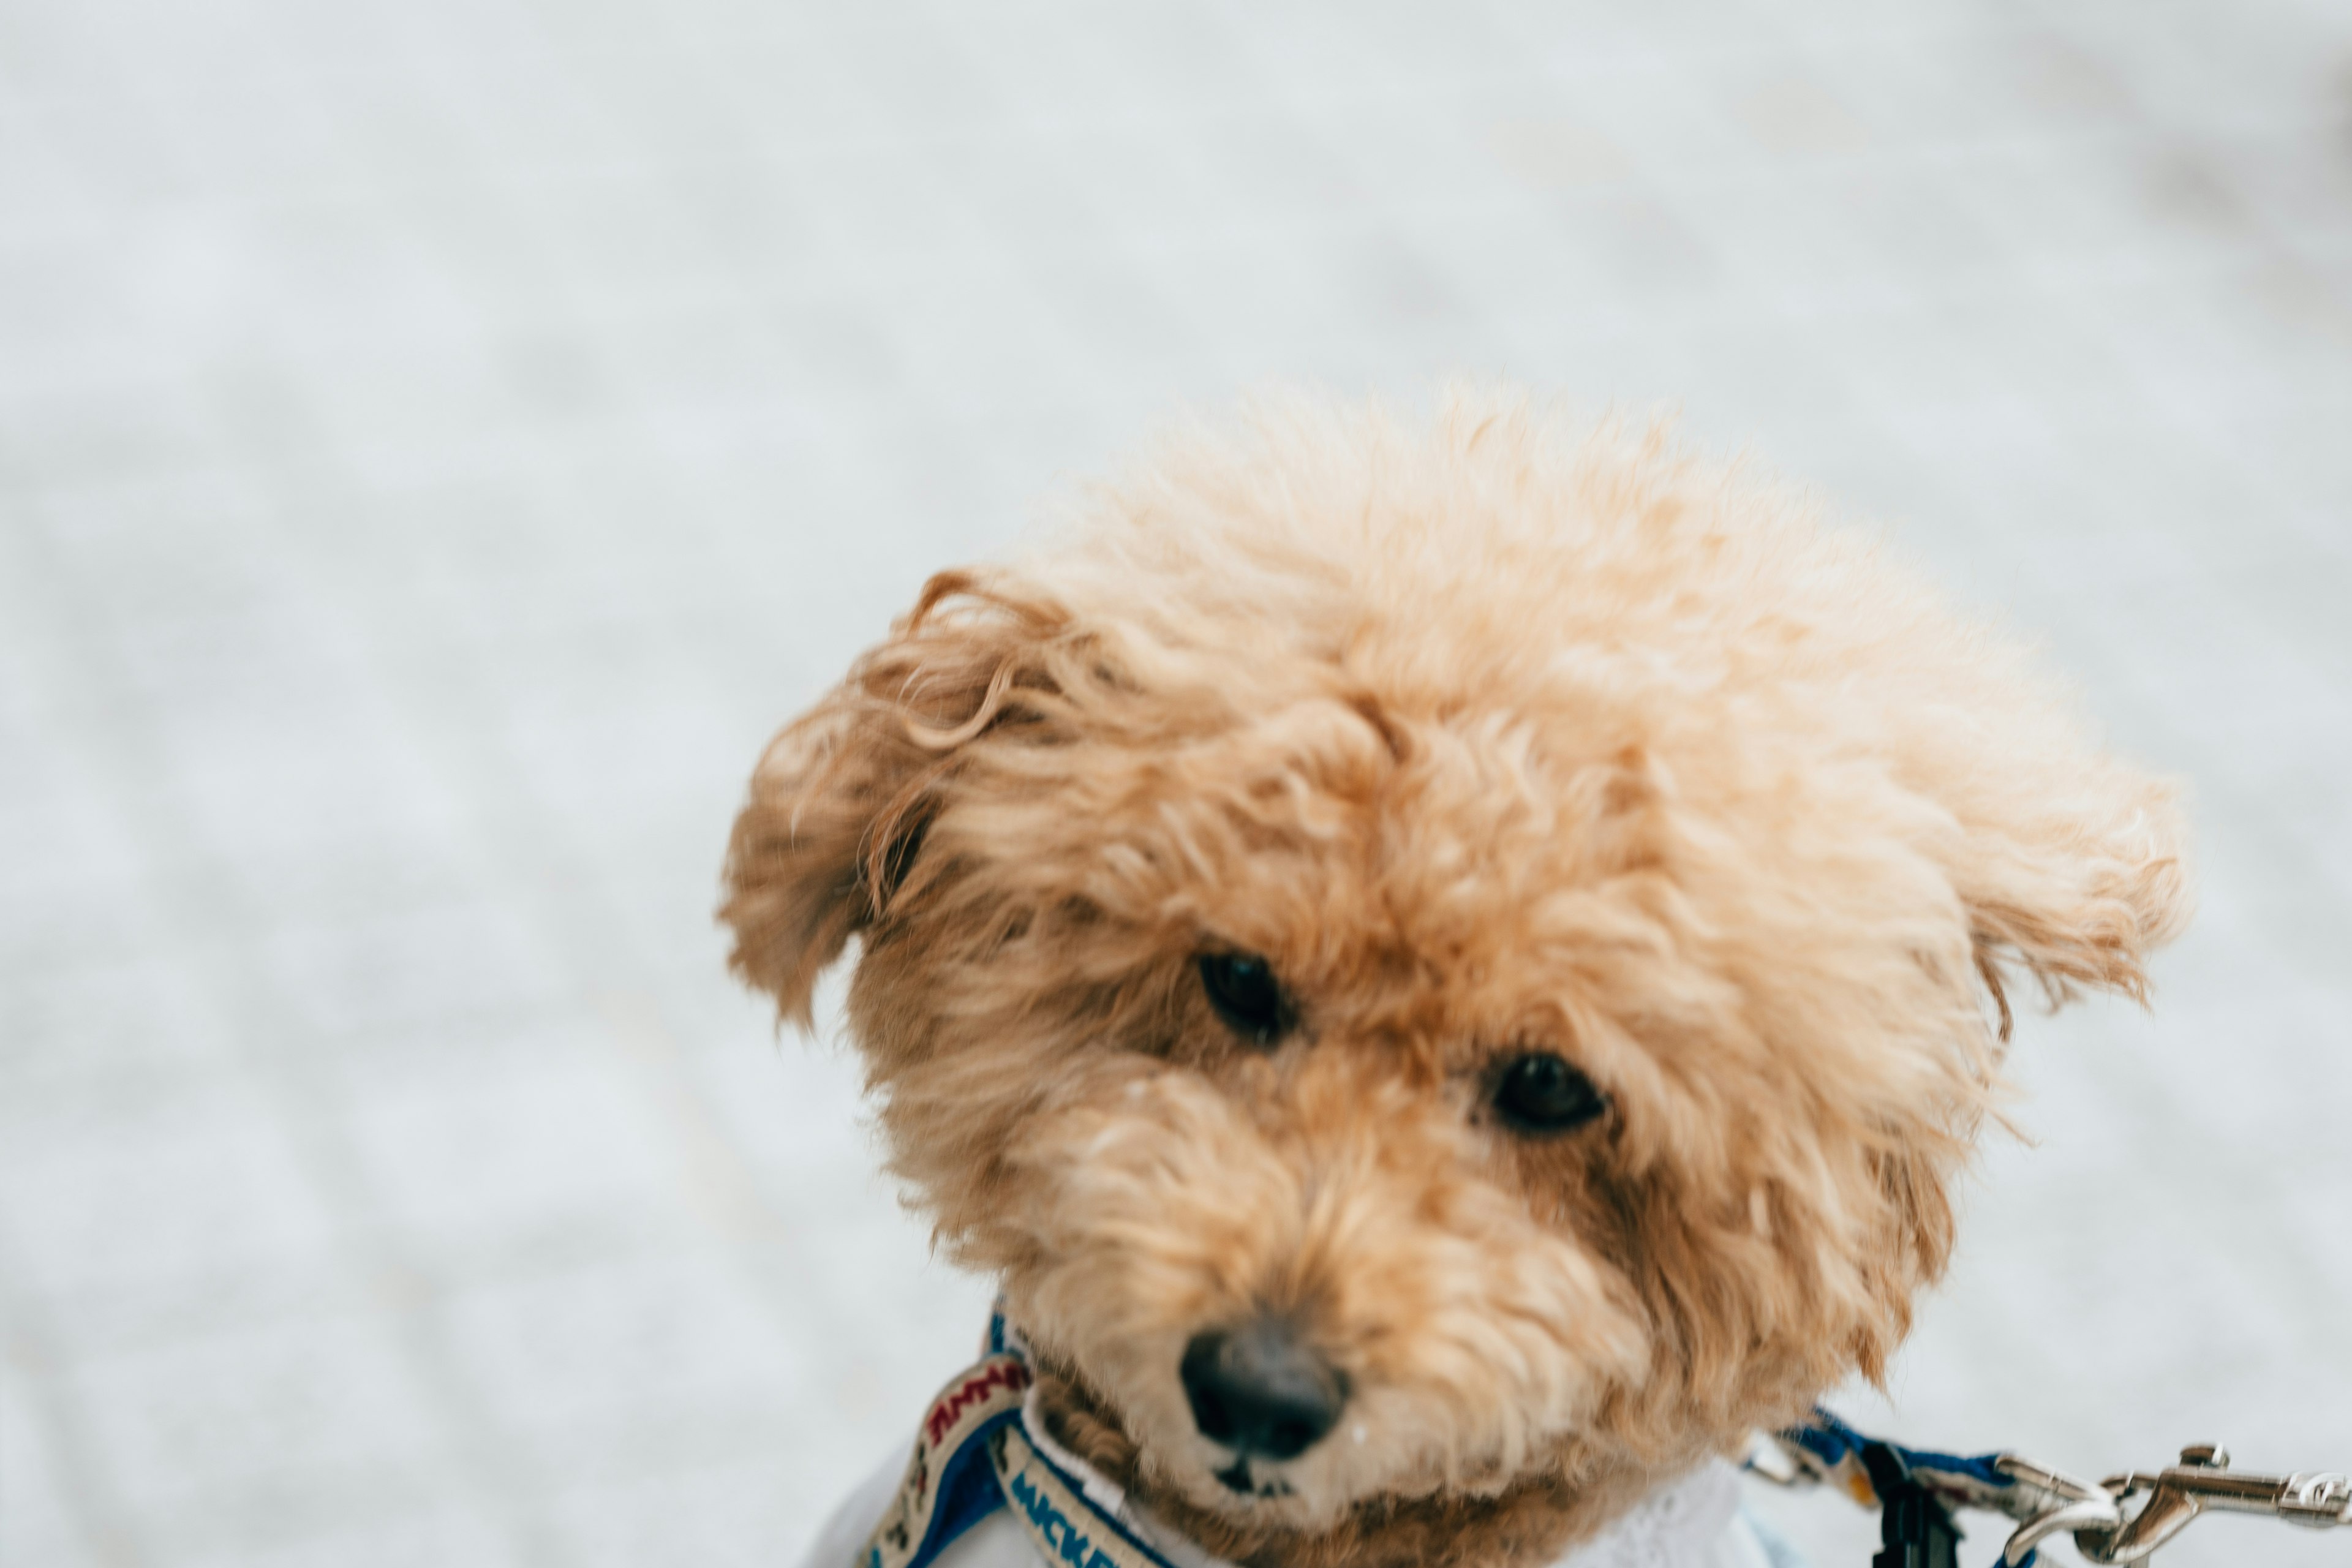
(1491, 737)
(1526, 1520)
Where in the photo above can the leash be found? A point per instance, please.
(977, 1452)
(2120, 1520)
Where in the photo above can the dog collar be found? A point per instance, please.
(981, 1450)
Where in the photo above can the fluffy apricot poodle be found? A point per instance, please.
(1447, 968)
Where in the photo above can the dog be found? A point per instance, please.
(1447, 967)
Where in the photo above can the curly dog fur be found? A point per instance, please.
(1490, 735)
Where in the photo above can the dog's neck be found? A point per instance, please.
(1530, 1524)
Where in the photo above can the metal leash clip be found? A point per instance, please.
(2060, 1501)
(2121, 1520)
(2105, 1532)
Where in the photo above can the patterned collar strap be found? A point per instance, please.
(951, 1485)
(973, 1455)
(1064, 1523)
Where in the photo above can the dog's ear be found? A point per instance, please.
(2079, 896)
(833, 828)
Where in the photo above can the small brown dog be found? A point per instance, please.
(1448, 971)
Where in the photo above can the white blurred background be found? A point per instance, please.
(441, 439)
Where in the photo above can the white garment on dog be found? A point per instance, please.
(1693, 1522)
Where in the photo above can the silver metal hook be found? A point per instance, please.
(2176, 1495)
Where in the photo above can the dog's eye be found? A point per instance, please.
(1539, 1093)
(1243, 991)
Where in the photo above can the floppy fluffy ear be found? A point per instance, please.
(2079, 895)
(840, 800)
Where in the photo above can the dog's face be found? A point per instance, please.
(1429, 961)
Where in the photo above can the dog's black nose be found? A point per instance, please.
(1260, 1390)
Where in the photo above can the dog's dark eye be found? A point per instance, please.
(1539, 1093)
(1243, 991)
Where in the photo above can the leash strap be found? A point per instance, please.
(1836, 1453)
(973, 1455)
(1914, 1489)
(1914, 1529)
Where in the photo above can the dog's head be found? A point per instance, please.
(1429, 959)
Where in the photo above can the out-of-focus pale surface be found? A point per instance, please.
(440, 439)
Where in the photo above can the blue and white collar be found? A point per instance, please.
(981, 1448)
